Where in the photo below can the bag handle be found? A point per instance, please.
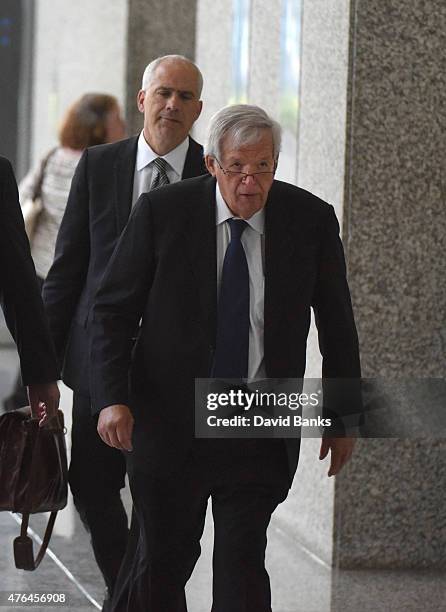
(23, 545)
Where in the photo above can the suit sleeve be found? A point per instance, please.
(66, 277)
(338, 338)
(21, 299)
(118, 309)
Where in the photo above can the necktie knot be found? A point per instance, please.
(237, 227)
(159, 176)
(160, 164)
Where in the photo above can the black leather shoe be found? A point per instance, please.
(106, 604)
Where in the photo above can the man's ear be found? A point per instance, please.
(199, 109)
(140, 100)
(210, 164)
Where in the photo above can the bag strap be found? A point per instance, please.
(23, 544)
(38, 186)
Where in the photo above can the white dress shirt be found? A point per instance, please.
(253, 243)
(145, 155)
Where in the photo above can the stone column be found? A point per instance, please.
(389, 504)
(309, 511)
(155, 29)
(213, 56)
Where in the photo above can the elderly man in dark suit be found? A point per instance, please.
(266, 252)
(108, 181)
(22, 303)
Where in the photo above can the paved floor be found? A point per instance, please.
(300, 582)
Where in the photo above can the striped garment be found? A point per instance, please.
(55, 189)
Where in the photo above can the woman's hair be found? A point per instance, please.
(84, 124)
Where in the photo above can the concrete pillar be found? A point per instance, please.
(308, 513)
(389, 504)
(155, 29)
(213, 56)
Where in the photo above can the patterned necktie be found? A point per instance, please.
(159, 174)
(232, 348)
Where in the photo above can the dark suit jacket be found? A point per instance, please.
(164, 270)
(20, 294)
(98, 207)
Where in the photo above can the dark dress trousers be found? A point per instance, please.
(19, 289)
(98, 207)
(164, 271)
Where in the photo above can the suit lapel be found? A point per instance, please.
(124, 171)
(123, 176)
(193, 164)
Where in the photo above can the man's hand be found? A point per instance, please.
(115, 426)
(44, 401)
(341, 451)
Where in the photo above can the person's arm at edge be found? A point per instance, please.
(338, 341)
(66, 277)
(117, 310)
(23, 307)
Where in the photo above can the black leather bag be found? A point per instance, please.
(33, 475)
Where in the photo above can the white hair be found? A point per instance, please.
(243, 124)
(150, 70)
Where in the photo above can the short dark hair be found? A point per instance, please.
(84, 124)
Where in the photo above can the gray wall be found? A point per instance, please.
(395, 196)
(79, 47)
(389, 509)
(213, 56)
(264, 78)
(155, 29)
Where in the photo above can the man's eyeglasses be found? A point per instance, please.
(244, 175)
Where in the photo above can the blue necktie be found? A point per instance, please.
(232, 348)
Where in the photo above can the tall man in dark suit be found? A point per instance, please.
(266, 252)
(22, 304)
(108, 181)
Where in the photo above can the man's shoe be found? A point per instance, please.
(106, 604)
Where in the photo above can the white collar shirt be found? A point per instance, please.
(145, 155)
